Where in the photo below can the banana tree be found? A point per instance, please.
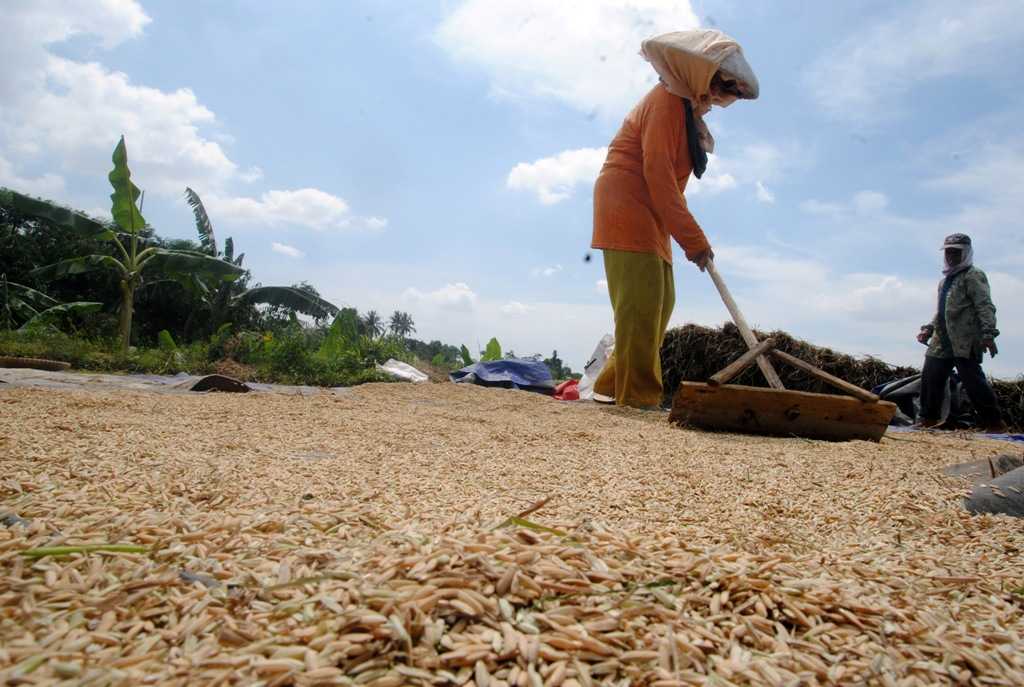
(133, 260)
(222, 299)
(26, 307)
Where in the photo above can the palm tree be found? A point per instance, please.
(401, 324)
(128, 231)
(373, 325)
(224, 299)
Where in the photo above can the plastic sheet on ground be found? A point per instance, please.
(180, 383)
(1017, 438)
(1002, 495)
(527, 375)
(403, 371)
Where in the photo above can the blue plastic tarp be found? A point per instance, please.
(1019, 438)
(528, 375)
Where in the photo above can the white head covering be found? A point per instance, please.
(961, 242)
(686, 61)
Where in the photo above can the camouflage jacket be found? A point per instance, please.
(970, 318)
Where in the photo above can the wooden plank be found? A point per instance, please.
(741, 363)
(838, 383)
(741, 323)
(754, 410)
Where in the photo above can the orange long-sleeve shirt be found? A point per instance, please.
(638, 196)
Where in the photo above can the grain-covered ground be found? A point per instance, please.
(340, 539)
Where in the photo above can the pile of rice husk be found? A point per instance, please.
(366, 539)
(693, 353)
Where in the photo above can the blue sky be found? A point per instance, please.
(438, 157)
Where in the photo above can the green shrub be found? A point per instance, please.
(294, 355)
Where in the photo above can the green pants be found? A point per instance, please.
(643, 293)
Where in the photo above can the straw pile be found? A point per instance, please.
(367, 539)
(693, 353)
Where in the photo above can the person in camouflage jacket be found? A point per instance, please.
(964, 327)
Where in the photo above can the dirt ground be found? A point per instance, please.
(268, 521)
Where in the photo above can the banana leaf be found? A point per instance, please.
(467, 359)
(289, 297)
(175, 263)
(43, 210)
(492, 352)
(203, 225)
(37, 300)
(126, 194)
(86, 263)
(56, 312)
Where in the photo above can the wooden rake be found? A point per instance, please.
(776, 410)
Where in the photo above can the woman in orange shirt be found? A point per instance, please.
(639, 202)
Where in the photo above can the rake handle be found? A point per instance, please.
(741, 323)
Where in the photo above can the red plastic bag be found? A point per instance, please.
(568, 391)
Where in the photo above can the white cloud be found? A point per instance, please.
(555, 178)
(375, 223)
(546, 271)
(763, 194)
(869, 202)
(756, 264)
(47, 185)
(864, 203)
(67, 115)
(817, 207)
(252, 174)
(864, 76)
(516, 308)
(457, 297)
(78, 110)
(285, 249)
(714, 181)
(308, 207)
(568, 51)
(30, 27)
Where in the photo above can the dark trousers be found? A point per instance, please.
(934, 378)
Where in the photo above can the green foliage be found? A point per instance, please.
(448, 356)
(559, 370)
(305, 301)
(342, 336)
(27, 308)
(51, 213)
(61, 313)
(125, 197)
(492, 352)
(400, 324)
(102, 355)
(130, 263)
(372, 324)
(165, 342)
(467, 359)
(203, 225)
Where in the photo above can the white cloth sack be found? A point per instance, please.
(403, 371)
(686, 60)
(594, 366)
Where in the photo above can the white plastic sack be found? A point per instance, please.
(594, 366)
(403, 371)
